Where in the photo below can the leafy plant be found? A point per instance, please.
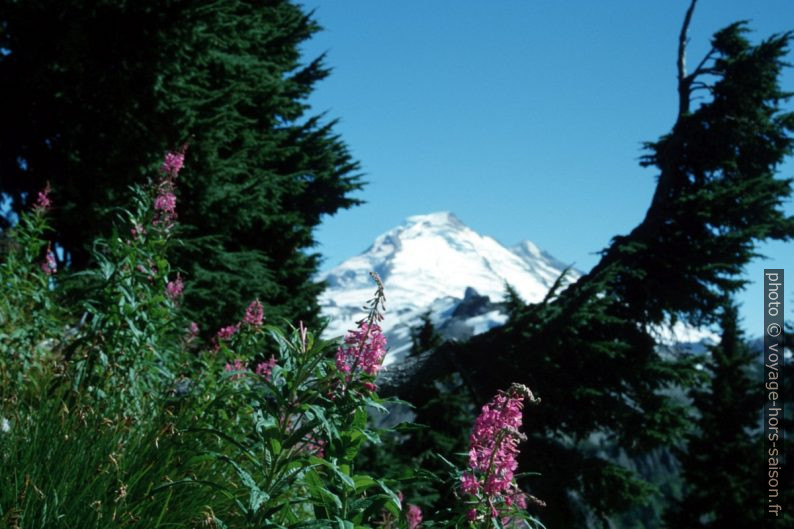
(114, 413)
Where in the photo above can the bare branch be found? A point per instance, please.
(683, 81)
(694, 87)
(699, 70)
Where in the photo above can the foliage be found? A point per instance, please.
(425, 336)
(225, 76)
(593, 351)
(409, 454)
(112, 412)
(723, 485)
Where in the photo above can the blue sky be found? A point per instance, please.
(523, 117)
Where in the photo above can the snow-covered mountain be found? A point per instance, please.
(436, 263)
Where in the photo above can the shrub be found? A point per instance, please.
(113, 413)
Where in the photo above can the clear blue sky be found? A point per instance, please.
(523, 117)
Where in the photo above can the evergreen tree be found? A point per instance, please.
(89, 89)
(424, 337)
(786, 454)
(591, 352)
(722, 457)
(442, 424)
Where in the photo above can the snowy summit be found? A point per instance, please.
(435, 262)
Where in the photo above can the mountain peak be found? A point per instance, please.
(439, 218)
(434, 262)
(528, 248)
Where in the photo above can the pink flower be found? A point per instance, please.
(150, 273)
(225, 333)
(43, 201)
(493, 443)
(238, 366)
(173, 289)
(265, 369)
(49, 266)
(414, 516)
(166, 203)
(165, 208)
(494, 447)
(471, 515)
(254, 314)
(519, 499)
(469, 484)
(173, 162)
(363, 350)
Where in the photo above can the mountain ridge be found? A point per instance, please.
(434, 262)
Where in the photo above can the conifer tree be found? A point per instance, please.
(89, 89)
(722, 456)
(592, 352)
(424, 337)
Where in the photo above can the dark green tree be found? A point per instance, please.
(441, 425)
(720, 462)
(591, 354)
(787, 480)
(424, 336)
(93, 92)
(591, 351)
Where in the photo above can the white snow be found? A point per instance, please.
(683, 333)
(426, 263)
(486, 322)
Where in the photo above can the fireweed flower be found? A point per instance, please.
(164, 208)
(173, 289)
(494, 448)
(469, 484)
(363, 350)
(173, 162)
(519, 499)
(165, 202)
(225, 333)
(265, 369)
(238, 367)
(362, 353)
(50, 265)
(191, 332)
(414, 516)
(43, 202)
(254, 314)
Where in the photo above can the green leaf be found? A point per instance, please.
(275, 446)
(394, 505)
(362, 482)
(343, 524)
